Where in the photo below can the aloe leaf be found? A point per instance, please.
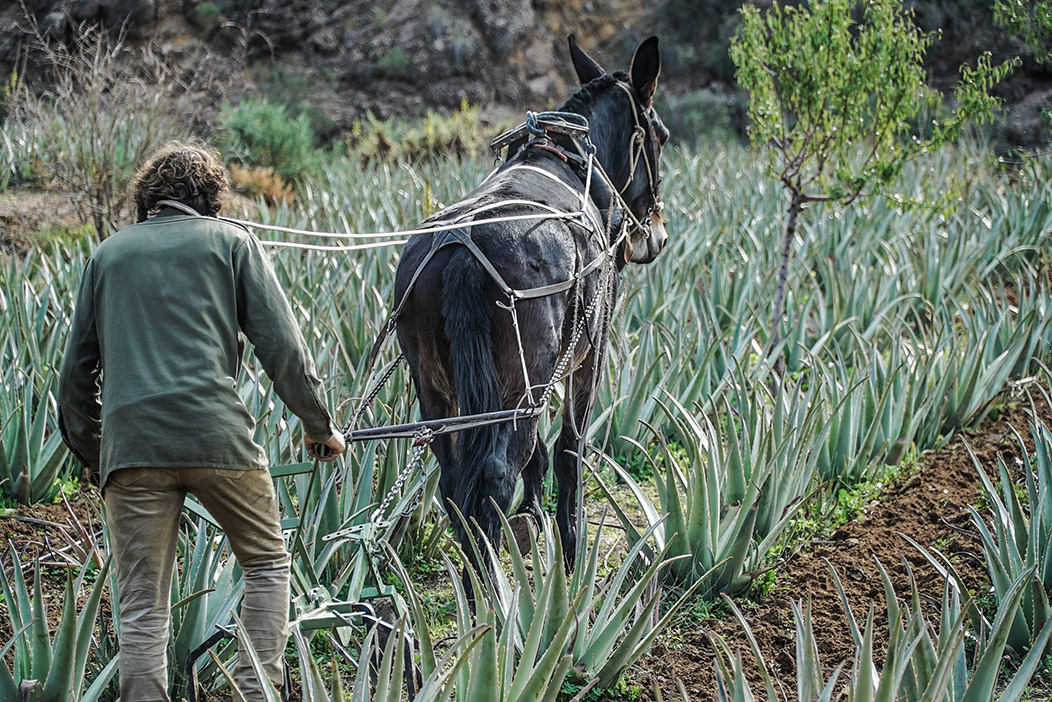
(561, 671)
(530, 681)
(852, 624)
(310, 673)
(98, 686)
(362, 689)
(634, 644)
(1017, 687)
(483, 681)
(41, 642)
(61, 673)
(755, 646)
(984, 677)
(245, 648)
(426, 646)
(435, 687)
(385, 691)
(649, 511)
(8, 686)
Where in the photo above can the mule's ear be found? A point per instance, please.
(646, 67)
(585, 66)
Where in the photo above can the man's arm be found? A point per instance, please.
(79, 407)
(265, 316)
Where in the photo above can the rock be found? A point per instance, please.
(325, 40)
(540, 58)
(504, 23)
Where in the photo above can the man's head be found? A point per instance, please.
(188, 173)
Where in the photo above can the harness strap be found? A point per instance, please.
(639, 137)
(583, 197)
(546, 144)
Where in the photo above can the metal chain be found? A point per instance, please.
(564, 361)
(368, 399)
(420, 444)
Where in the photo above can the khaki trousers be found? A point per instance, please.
(143, 506)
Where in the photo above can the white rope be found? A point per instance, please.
(413, 232)
(322, 247)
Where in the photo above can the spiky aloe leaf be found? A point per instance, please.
(984, 677)
(41, 641)
(60, 675)
(416, 610)
(86, 625)
(98, 686)
(245, 648)
(389, 677)
(1017, 687)
(436, 687)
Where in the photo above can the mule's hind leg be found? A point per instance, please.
(490, 487)
(533, 480)
(532, 483)
(577, 411)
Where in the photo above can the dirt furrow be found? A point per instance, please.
(930, 506)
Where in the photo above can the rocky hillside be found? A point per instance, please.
(401, 56)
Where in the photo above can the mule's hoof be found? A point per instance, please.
(524, 530)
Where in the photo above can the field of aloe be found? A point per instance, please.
(907, 318)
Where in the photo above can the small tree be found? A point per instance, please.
(836, 100)
(103, 108)
(1031, 20)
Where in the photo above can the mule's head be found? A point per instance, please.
(629, 137)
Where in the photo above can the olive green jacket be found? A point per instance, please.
(149, 374)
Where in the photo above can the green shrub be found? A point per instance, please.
(394, 64)
(435, 136)
(207, 15)
(263, 134)
(282, 82)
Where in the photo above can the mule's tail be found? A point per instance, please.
(479, 472)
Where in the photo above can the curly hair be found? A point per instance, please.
(188, 173)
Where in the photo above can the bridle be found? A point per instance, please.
(539, 129)
(637, 151)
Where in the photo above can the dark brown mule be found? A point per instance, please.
(454, 324)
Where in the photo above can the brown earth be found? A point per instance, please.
(25, 214)
(930, 507)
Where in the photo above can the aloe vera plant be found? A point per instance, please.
(533, 629)
(31, 450)
(922, 663)
(728, 498)
(1017, 539)
(56, 663)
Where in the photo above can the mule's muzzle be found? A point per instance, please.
(647, 247)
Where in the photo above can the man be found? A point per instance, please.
(148, 403)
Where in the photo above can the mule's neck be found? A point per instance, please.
(609, 113)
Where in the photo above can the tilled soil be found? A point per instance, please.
(930, 507)
(54, 534)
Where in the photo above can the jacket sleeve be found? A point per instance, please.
(79, 405)
(266, 318)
